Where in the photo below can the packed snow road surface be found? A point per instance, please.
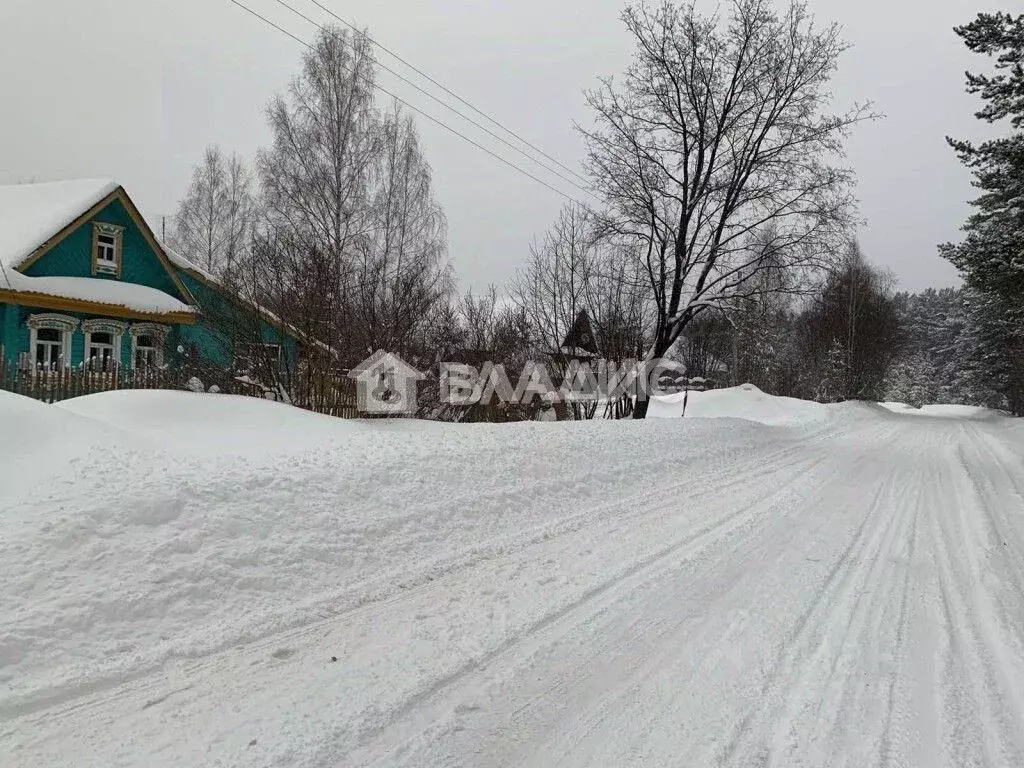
(807, 586)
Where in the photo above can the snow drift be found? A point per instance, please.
(743, 402)
(144, 525)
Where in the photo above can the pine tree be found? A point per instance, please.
(912, 380)
(833, 385)
(991, 256)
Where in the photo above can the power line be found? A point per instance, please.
(447, 106)
(444, 88)
(419, 111)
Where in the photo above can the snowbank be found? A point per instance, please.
(750, 403)
(743, 402)
(38, 441)
(148, 525)
(213, 425)
(395, 576)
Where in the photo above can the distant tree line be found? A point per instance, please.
(854, 338)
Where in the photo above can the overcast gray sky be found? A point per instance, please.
(135, 89)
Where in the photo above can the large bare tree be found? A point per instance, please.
(716, 153)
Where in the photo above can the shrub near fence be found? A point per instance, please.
(332, 394)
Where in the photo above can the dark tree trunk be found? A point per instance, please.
(640, 409)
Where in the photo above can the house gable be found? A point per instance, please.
(69, 253)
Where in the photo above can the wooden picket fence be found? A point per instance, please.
(334, 397)
(333, 394)
(53, 384)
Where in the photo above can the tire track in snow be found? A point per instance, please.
(921, 633)
(426, 708)
(730, 581)
(428, 705)
(806, 665)
(982, 684)
(126, 695)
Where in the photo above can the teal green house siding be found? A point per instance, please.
(209, 331)
(221, 314)
(21, 335)
(72, 256)
(8, 330)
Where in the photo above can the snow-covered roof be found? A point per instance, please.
(114, 293)
(577, 352)
(182, 262)
(30, 214)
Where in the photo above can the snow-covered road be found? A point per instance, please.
(862, 606)
(844, 591)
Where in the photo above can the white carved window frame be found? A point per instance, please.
(63, 323)
(116, 233)
(159, 334)
(115, 328)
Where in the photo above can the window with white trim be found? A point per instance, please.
(100, 350)
(106, 251)
(103, 343)
(49, 349)
(106, 248)
(145, 351)
(50, 340)
(148, 345)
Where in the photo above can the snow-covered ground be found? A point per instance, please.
(200, 580)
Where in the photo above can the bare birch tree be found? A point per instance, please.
(213, 225)
(402, 271)
(718, 131)
(349, 251)
(553, 288)
(315, 177)
(349, 195)
(574, 270)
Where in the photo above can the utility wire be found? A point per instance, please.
(447, 106)
(444, 88)
(419, 111)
